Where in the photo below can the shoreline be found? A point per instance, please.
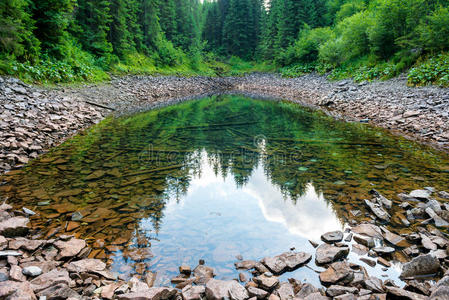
(61, 265)
(34, 119)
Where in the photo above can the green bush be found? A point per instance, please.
(305, 49)
(434, 70)
(434, 30)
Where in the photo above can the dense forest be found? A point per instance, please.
(70, 40)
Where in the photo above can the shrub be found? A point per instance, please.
(434, 70)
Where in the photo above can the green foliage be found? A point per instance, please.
(433, 31)
(431, 71)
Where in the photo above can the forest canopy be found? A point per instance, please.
(67, 40)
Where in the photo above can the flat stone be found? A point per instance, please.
(245, 264)
(15, 226)
(59, 291)
(383, 262)
(16, 290)
(49, 279)
(287, 261)
(202, 271)
(374, 284)
(368, 230)
(285, 291)
(368, 261)
(364, 240)
(332, 237)
(422, 265)
(403, 294)
(337, 290)
(86, 265)
(384, 250)
(381, 199)
(220, 289)
(10, 253)
(107, 291)
(326, 253)
(427, 242)
(338, 272)
(28, 211)
(316, 296)
(395, 239)
(15, 273)
(139, 254)
(70, 248)
(378, 211)
(256, 292)
(160, 293)
(440, 293)
(306, 290)
(184, 269)
(32, 271)
(23, 243)
(193, 292)
(266, 283)
(420, 194)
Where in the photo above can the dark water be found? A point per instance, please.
(219, 177)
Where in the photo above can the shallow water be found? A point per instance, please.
(219, 177)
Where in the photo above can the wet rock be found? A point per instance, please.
(306, 290)
(86, 265)
(326, 253)
(70, 248)
(59, 291)
(16, 290)
(287, 261)
(256, 292)
(374, 284)
(383, 262)
(332, 237)
(337, 290)
(368, 230)
(316, 296)
(28, 211)
(220, 289)
(32, 271)
(202, 271)
(394, 239)
(378, 211)
(421, 265)
(420, 194)
(245, 264)
(338, 272)
(15, 226)
(439, 222)
(420, 287)
(368, 261)
(160, 293)
(427, 242)
(403, 294)
(266, 283)
(10, 253)
(25, 244)
(285, 291)
(359, 249)
(184, 269)
(193, 292)
(381, 199)
(384, 250)
(49, 279)
(364, 240)
(139, 254)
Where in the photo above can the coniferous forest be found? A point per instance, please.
(75, 40)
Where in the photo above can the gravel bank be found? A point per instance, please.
(34, 119)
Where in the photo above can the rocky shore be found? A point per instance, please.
(60, 267)
(32, 120)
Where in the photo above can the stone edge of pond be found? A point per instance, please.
(35, 119)
(58, 266)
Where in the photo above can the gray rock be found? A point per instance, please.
(326, 253)
(365, 240)
(220, 289)
(338, 272)
(421, 265)
(306, 290)
(332, 237)
(245, 264)
(374, 284)
(378, 211)
(420, 194)
(32, 271)
(266, 283)
(193, 292)
(10, 253)
(381, 199)
(384, 250)
(256, 292)
(28, 211)
(336, 290)
(287, 261)
(285, 291)
(403, 294)
(15, 226)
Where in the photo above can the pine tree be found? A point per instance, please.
(16, 30)
(52, 18)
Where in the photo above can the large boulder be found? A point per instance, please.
(422, 265)
(220, 289)
(15, 226)
(326, 254)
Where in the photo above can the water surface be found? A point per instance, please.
(219, 177)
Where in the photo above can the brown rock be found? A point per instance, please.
(70, 248)
(15, 273)
(16, 290)
(107, 291)
(368, 230)
(72, 225)
(26, 244)
(59, 291)
(403, 294)
(220, 289)
(266, 283)
(139, 254)
(86, 265)
(49, 279)
(339, 272)
(326, 253)
(193, 292)
(15, 226)
(421, 265)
